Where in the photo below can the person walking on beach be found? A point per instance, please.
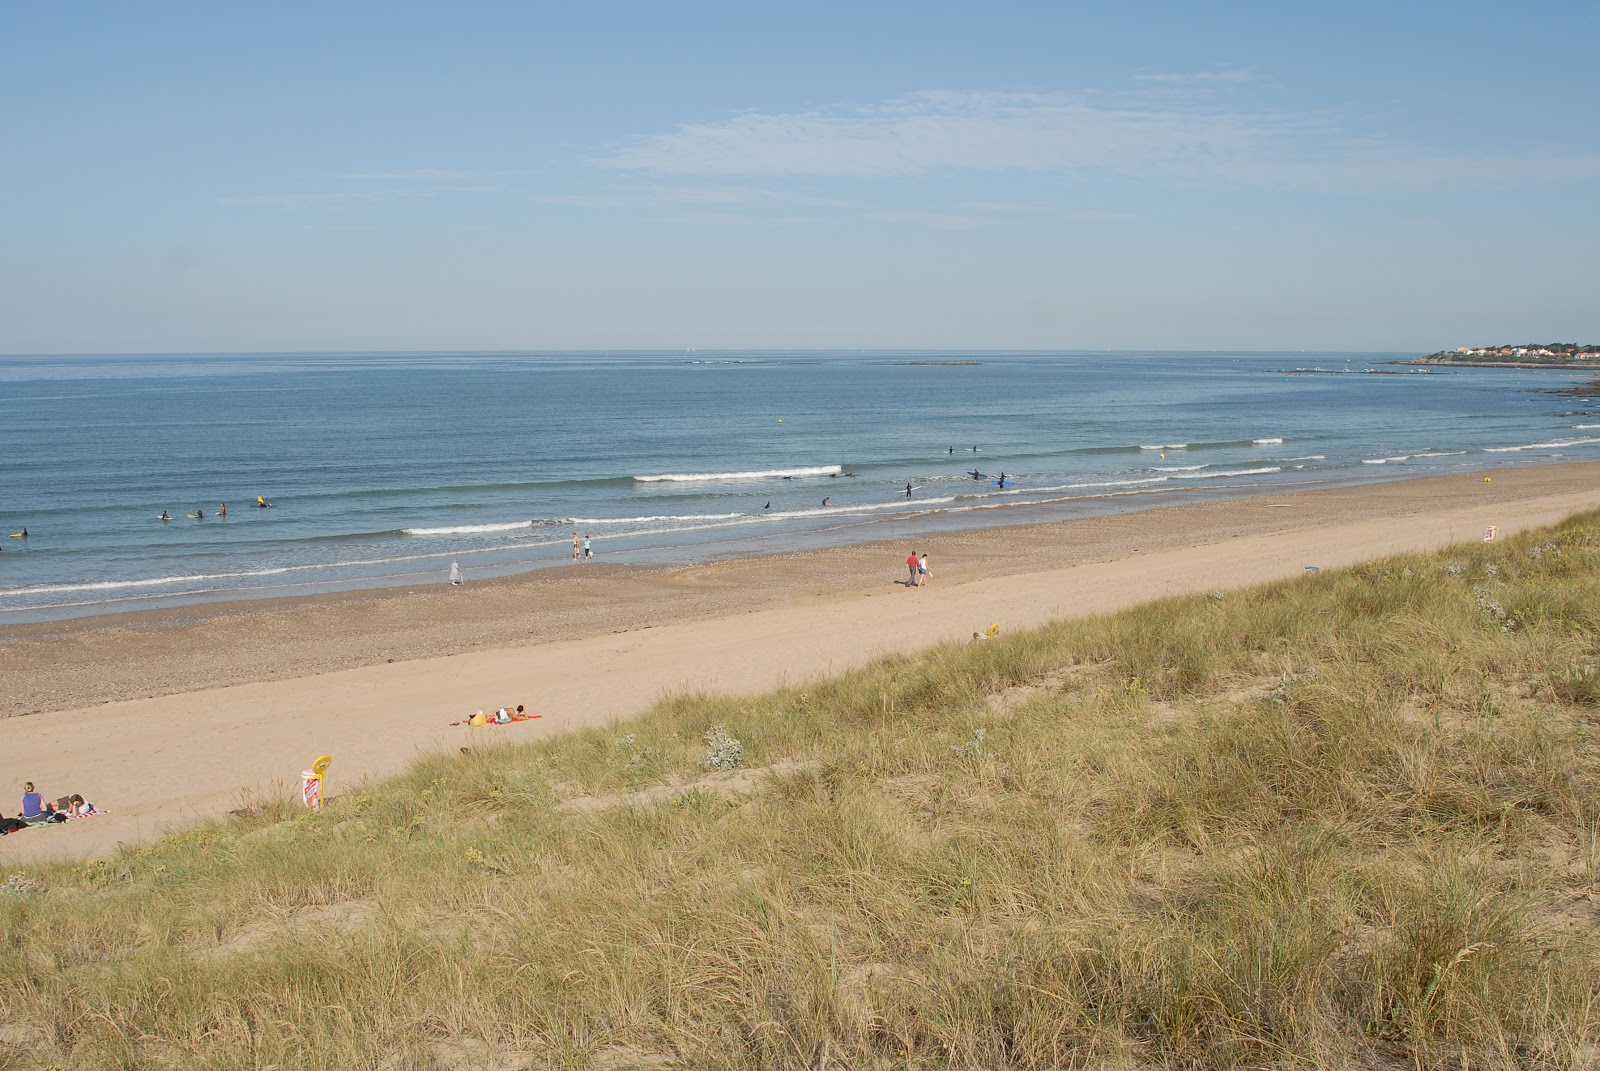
(577, 548)
(588, 551)
(922, 569)
(912, 563)
(455, 574)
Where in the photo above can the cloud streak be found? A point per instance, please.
(1080, 134)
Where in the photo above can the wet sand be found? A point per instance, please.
(168, 716)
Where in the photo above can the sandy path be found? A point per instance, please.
(161, 761)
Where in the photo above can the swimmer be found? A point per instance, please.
(222, 511)
(199, 514)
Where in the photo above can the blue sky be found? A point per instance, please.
(288, 176)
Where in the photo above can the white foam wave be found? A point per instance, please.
(696, 477)
(1180, 468)
(1166, 446)
(598, 522)
(1584, 427)
(1555, 445)
(1229, 472)
(466, 529)
(1384, 460)
(1266, 442)
(1311, 457)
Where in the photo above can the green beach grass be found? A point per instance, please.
(1348, 820)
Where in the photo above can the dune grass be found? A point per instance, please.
(1349, 820)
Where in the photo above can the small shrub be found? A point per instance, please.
(723, 752)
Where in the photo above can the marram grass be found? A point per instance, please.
(1348, 820)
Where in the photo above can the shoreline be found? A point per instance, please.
(177, 715)
(215, 644)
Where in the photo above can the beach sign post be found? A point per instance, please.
(311, 781)
(1490, 534)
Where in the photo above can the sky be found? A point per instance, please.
(187, 177)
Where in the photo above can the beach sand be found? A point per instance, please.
(171, 716)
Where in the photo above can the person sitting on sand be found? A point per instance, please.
(32, 802)
(11, 825)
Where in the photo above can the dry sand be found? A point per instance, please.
(171, 716)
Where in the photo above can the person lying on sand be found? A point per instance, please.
(11, 825)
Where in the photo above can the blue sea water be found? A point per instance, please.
(384, 468)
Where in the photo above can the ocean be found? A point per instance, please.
(382, 469)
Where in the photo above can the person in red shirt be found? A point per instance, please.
(912, 563)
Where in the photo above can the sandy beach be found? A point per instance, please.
(171, 716)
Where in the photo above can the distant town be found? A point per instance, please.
(1535, 355)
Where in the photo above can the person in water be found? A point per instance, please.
(164, 516)
(908, 490)
(199, 514)
(825, 502)
(767, 506)
(222, 511)
(262, 503)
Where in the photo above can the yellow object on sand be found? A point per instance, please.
(994, 630)
(311, 781)
(480, 718)
(1486, 479)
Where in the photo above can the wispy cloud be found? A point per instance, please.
(1227, 75)
(929, 131)
(1169, 140)
(656, 196)
(417, 174)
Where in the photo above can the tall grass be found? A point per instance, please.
(1348, 820)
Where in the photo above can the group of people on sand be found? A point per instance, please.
(504, 716)
(582, 550)
(917, 563)
(35, 811)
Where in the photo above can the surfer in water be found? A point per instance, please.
(1002, 481)
(767, 506)
(199, 514)
(222, 510)
(163, 516)
(908, 490)
(262, 503)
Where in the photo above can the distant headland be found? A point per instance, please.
(1528, 355)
